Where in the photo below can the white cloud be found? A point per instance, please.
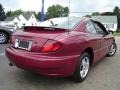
(89, 6)
(75, 5)
(102, 6)
(29, 5)
(84, 7)
(35, 5)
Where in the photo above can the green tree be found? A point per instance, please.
(8, 13)
(95, 14)
(116, 10)
(66, 11)
(16, 12)
(57, 11)
(2, 13)
(37, 15)
(107, 14)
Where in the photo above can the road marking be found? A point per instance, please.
(2, 54)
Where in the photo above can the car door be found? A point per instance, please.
(106, 39)
(94, 39)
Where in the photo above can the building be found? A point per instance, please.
(13, 21)
(30, 19)
(24, 19)
(110, 22)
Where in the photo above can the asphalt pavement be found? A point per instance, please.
(105, 75)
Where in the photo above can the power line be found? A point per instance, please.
(88, 12)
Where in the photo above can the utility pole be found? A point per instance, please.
(42, 12)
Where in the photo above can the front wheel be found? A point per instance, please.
(83, 68)
(112, 50)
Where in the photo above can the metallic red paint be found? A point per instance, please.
(64, 61)
(43, 64)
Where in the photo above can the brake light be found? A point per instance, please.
(51, 45)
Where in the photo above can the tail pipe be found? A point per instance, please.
(10, 64)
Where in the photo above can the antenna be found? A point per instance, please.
(69, 6)
(69, 15)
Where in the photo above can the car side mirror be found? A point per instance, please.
(110, 31)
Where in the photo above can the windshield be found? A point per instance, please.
(65, 22)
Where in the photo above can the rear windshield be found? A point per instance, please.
(65, 23)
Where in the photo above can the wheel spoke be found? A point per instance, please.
(2, 38)
(112, 49)
(84, 67)
(81, 72)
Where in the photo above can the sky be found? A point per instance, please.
(76, 6)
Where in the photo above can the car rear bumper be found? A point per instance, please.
(61, 66)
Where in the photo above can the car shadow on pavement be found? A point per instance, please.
(34, 78)
(38, 79)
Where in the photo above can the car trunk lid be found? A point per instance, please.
(36, 37)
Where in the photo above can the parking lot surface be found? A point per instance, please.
(105, 75)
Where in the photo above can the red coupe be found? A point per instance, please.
(61, 47)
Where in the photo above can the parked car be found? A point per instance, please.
(68, 48)
(5, 32)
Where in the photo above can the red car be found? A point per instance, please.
(66, 48)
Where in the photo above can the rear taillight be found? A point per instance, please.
(51, 45)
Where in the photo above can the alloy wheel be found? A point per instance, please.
(2, 38)
(84, 68)
(112, 49)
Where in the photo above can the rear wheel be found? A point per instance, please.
(112, 50)
(83, 68)
(3, 38)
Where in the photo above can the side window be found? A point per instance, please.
(90, 27)
(99, 30)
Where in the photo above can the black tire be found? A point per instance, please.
(77, 75)
(3, 34)
(114, 51)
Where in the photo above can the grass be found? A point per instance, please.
(117, 33)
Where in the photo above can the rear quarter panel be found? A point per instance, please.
(75, 43)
